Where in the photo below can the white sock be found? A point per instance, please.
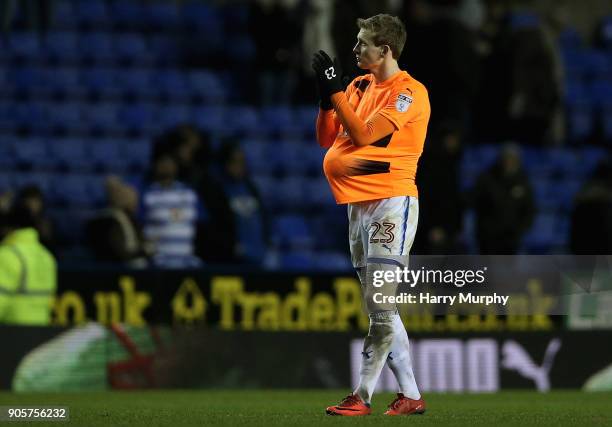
(400, 362)
(376, 347)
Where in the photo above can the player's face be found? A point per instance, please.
(367, 54)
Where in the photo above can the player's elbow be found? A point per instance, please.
(324, 142)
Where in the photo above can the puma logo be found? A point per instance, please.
(516, 358)
(387, 248)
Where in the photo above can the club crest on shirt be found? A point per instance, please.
(403, 102)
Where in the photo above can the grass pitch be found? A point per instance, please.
(297, 408)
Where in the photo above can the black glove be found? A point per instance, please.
(328, 76)
(324, 101)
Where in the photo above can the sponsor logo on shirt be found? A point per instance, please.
(403, 102)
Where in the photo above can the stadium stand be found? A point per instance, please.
(86, 99)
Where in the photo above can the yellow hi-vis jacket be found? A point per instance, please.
(28, 279)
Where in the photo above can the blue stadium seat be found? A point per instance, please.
(103, 118)
(138, 154)
(278, 119)
(570, 38)
(97, 47)
(32, 115)
(173, 114)
(332, 261)
(66, 115)
(137, 117)
(606, 120)
(165, 49)
(292, 232)
(25, 45)
(589, 157)
(291, 193)
(312, 156)
(207, 85)
(92, 13)
(127, 14)
(172, 83)
(64, 15)
(245, 119)
(132, 48)
(7, 157)
(203, 18)
(287, 156)
(64, 82)
(306, 118)
(162, 15)
(73, 190)
(136, 82)
(318, 194)
(535, 164)
(62, 46)
(70, 154)
(256, 152)
(562, 161)
(297, 261)
(40, 179)
(101, 82)
(601, 91)
(211, 119)
(107, 155)
(7, 116)
(266, 185)
(26, 78)
(545, 195)
(32, 153)
(580, 122)
(542, 235)
(6, 180)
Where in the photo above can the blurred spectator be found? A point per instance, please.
(113, 234)
(447, 63)
(591, 221)
(490, 118)
(278, 53)
(191, 152)
(28, 272)
(522, 90)
(504, 206)
(440, 202)
(247, 229)
(31, 199)
(170, 211)
(536, 100)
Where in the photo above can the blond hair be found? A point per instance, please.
(386, 30)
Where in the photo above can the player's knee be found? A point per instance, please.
(381, 326)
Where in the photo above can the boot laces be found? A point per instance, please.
(397, 402)
(350, 400)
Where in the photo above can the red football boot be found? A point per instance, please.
(404, 406)
(351, 406)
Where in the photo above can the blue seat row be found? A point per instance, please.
(158, 15)
(107, 155)
(115, 82)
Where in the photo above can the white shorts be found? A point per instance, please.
(381, 228)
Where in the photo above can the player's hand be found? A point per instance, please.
(324, 100)
(329, 74)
